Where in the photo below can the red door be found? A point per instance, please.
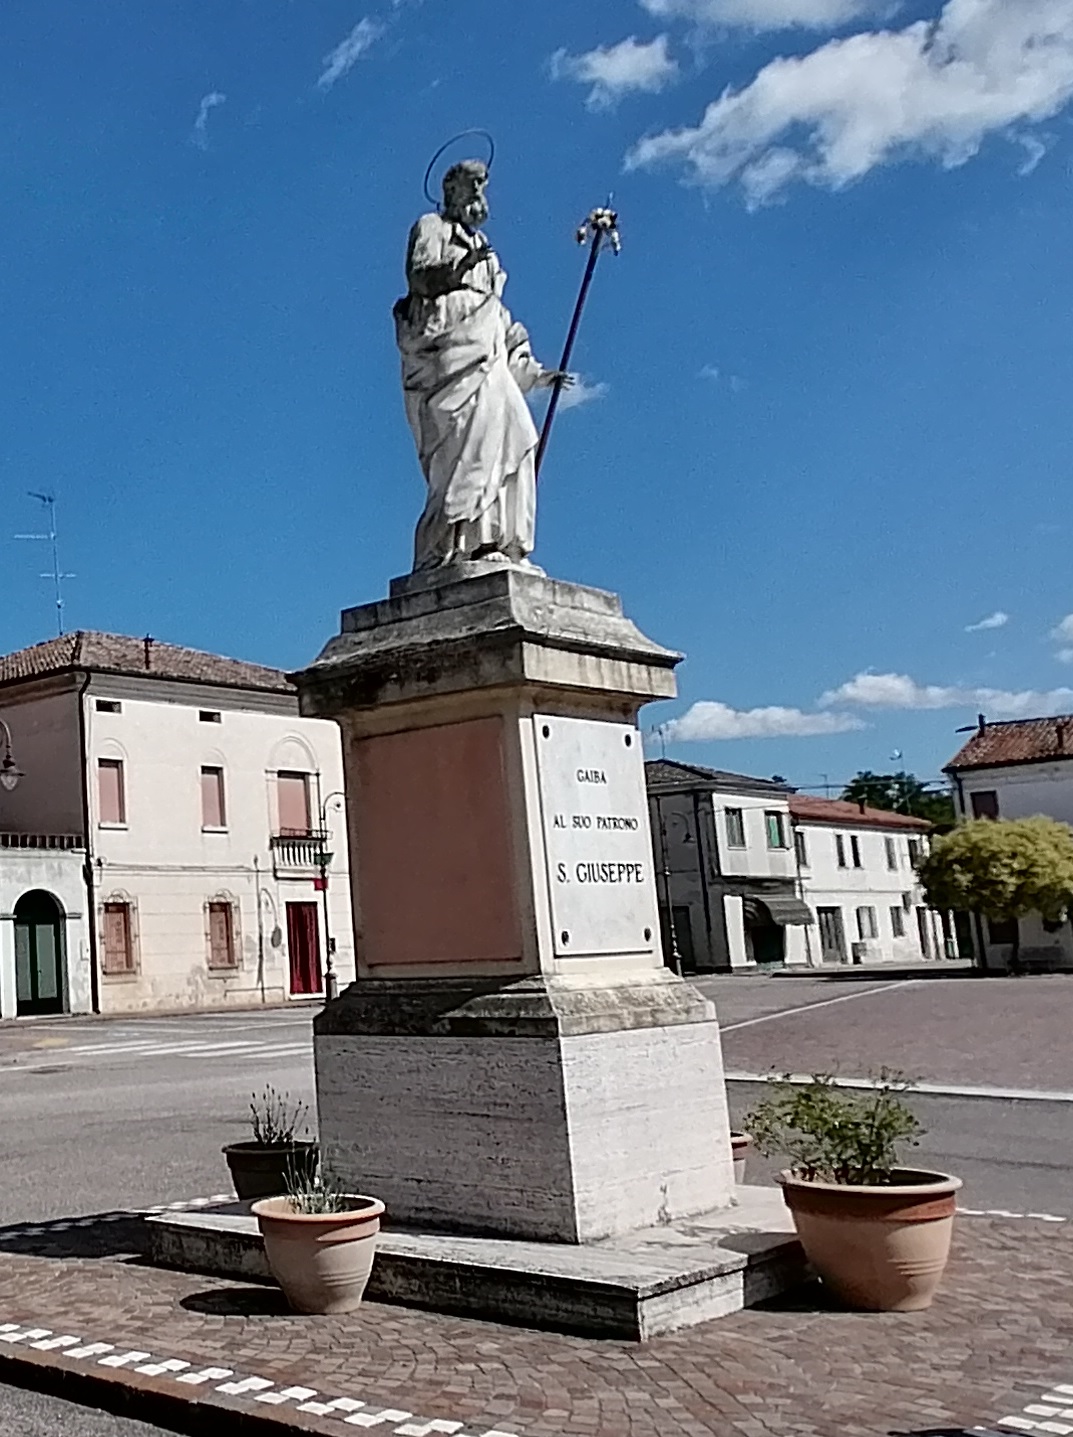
(303, 942)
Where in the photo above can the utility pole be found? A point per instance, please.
(57, 574)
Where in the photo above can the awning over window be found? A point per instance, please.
(777, 908)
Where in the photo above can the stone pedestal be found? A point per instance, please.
(514, 1059)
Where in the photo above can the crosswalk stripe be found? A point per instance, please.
(87, 1055)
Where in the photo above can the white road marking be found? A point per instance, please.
(938, 1090)
(823, 1003)
(85, 1056)
(288, 1394)
(252, 1388)
(123, 1359)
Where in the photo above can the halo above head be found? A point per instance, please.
(464, 135)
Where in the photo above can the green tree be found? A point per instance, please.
(1003, 869)
(902, 793)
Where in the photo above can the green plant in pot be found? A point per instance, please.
(320, 1242)
(261, 1168)
(877, 1233)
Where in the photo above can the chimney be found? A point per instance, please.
(148, 652)
(860, 805)
(981, 723)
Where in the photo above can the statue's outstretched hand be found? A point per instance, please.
(551, 377)
(475, 257)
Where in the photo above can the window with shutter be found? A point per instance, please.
(110, 791)
(117, 939)
(985, 804)
(221, 936)
(293, 793)
(213, 806)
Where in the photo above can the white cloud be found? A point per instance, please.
(766, 14)
(612, 71)
(209, 102)
(711, 720)
(899, 691)
(714, 375)
(934, 90)
(349, 51)
(583, 393)
(1062, 634)
(997, 620)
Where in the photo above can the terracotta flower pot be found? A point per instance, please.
(882, 1249)
(322, 1261)
(741, 1145)
(259, 1171)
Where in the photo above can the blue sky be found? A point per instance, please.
(830, 423)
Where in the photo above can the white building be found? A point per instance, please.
(189, 797)
(1018, 769)
(857, 873)
(755, 875)
(726, 874)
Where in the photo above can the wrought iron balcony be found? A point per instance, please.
(292, 851)
(64, 841)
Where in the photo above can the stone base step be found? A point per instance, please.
(635, 1287)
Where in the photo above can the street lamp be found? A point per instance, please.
(324, 859)
(10, 773)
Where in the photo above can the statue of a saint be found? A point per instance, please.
(466, 368)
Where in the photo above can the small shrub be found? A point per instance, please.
(311, 1192)
(275, 1118)
(835, 1135)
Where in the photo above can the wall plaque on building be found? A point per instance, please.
(596, 837)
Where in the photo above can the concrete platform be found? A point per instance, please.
(634, 1287)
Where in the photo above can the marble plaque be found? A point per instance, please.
(597, 841)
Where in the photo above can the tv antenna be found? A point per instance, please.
(57, 574)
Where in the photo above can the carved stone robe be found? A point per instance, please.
(466, 366)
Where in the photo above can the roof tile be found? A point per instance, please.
(809, 809)
(118, 654)
(1033, 740)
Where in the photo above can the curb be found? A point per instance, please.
(191, 1398)
(139, 1399)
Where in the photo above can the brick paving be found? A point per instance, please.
(999, 1338)
(1002, 1032)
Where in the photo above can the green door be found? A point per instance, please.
(38, 955)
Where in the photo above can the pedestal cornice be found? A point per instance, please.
(484, 626)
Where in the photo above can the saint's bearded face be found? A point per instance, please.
(466, 201)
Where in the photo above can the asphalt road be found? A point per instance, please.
(101, 1116)
(30, 1414)
(118, 1115)
(990, 1037)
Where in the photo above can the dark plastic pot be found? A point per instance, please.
(263, 1172)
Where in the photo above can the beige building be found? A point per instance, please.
(200, 813)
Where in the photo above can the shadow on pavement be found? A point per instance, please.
(943, 1432)
(810, 1296)
(99, 1235)
(239, 1302)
